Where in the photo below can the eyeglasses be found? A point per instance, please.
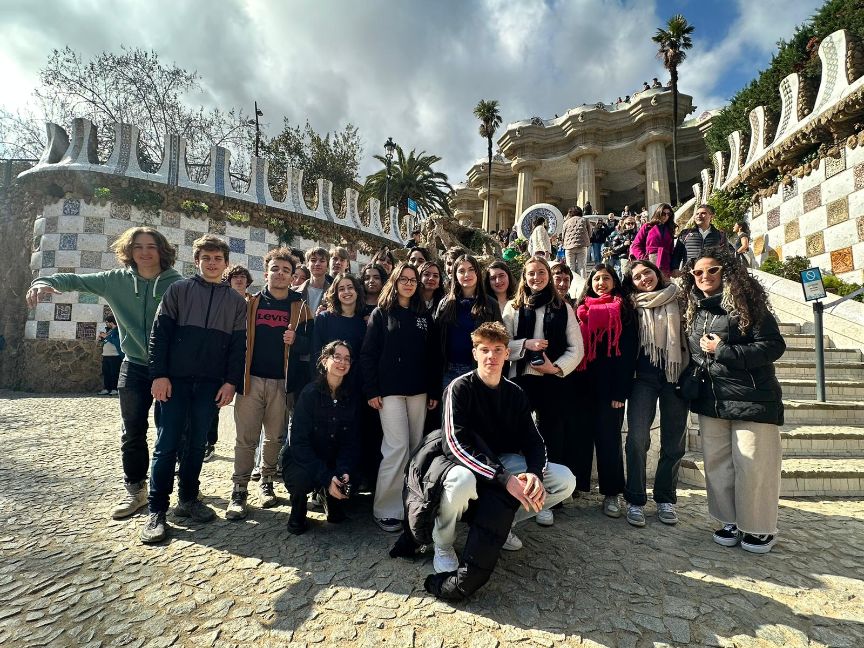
(341, 359)
(713, 270)
(405, 281)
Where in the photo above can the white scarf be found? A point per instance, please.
(660, 329)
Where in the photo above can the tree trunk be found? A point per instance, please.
(489, 180)
(674, 74)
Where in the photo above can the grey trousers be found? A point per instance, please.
(577, 259)
(265, 404)
(742, 472)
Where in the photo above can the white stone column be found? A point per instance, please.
(525, 186)
(541, 189)
(490, 208)
(656, 173)
(586, 183)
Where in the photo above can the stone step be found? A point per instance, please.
(810, 412)
(789, 328)
(807, 368)
(805, 389)
(799, 477)
(808, 440)
(808, 354)
(807, 340)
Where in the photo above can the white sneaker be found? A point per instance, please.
(545, 518)
(445, 560)
(512, 543)
(104, 392)
(611, 506)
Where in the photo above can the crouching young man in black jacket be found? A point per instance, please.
(500, 469)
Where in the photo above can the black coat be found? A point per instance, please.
(323, 439)
(741, 384)
(443, 329)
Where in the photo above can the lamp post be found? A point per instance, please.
(389, 147)
(258, 114)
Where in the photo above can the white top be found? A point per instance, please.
(568, 361)
(539, 241)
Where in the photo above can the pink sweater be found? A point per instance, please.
(654, 240)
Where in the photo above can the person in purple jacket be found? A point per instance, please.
(655, 240)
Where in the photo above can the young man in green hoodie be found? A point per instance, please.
(133, 293)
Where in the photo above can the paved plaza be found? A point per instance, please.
(71, 576)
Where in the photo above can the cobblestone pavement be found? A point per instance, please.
(71, 576)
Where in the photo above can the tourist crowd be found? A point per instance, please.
(446, 390)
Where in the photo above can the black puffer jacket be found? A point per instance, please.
(424, 482)
(741, 384)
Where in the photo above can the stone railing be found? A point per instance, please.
(78, 153)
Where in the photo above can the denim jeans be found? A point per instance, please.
(454, 370)
(649, 388)
(597, 253)
(135, 401)
(198, 401)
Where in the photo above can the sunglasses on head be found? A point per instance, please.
(713, 270)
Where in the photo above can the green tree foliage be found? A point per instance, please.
(730, 207)
(672, 45)
(490, 119)
(792, 268)
(133, 87)
(334, 156)
(799, 54)
(411, 176)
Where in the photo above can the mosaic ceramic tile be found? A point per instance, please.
(271, 247)
(91, 259)
(85, 331)
(106, 311)
(34, 274)
(110, 240)
(215, 226)
(190, 236)
(815, 244)
(858, 173)
(37, 243)
(861, 229)
(189, 269)
(68, 242)
(94, 225)
(51, 225)
(48, 259)
(170, 219)
(31, 314)
(833, 166)
(256, 263)
(42, 329)
(45, 298)
(87, 298)
(812, 198)
(841, 260)
(774, 218)
(72, 207)
(757, 207)
(759, 245)
(257, 234)
(790, 190)
(62, 312)
(792, 231)
(237, 245)
(119, 211)
(838, 211)
(778, 252)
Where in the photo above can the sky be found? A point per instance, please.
(408, 69)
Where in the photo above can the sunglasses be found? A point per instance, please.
(713, 270)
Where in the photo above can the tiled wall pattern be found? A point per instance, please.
(75, 236)
(820, 217)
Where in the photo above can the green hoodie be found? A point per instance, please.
(133, 299)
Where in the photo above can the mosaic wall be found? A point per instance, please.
(819, 216)
(76, 236)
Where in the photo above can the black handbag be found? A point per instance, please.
(691, 380)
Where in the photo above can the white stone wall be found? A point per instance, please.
(819, 216)
(75, 236)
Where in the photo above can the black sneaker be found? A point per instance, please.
(237, 507)
(209, 453)
(154, 529)
(297, 525)
(268, 495)
(759, 544)
(728, 536)
(195, 509)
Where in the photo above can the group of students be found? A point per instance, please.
(503, 389)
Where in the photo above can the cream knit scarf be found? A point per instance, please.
(660, 329)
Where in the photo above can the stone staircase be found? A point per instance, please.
(823, 443)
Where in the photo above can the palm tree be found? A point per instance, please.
(411, 177)
(672, 43)
(490, 119)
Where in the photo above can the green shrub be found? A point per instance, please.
(194, 206)
(730, 207)
(237, 217)
(102, 193)
(792, 267)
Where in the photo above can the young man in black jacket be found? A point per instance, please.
(197, 348)
(501, 469)
(694, 240)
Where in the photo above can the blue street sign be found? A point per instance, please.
(412, 206)
(811, 281)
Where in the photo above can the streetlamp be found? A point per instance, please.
(254, 123)
(389, 147)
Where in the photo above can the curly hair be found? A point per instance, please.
(123, 247)
(331, 296)
(744, 297)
